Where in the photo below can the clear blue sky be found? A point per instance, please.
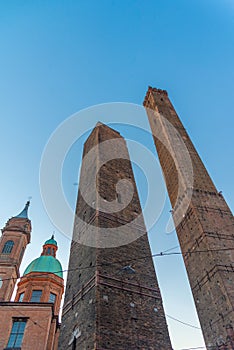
(58, 57)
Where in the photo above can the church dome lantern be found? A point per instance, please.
(42, 280)
(47, 262)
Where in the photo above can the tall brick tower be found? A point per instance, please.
(112, 299)
(206, 231)
(15, 237)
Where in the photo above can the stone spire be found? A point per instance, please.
(24, 213)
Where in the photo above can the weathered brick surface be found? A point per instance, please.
(106, 306)
(46, 282)
(41, 330)
(208, 226)
(17, 230)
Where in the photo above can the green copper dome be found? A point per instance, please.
(45, 263)
(51, 241)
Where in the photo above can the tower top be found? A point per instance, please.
(99, 134)
(24, 213)
(101, 126)
(153, 90)
(105, 127)
(51, 241)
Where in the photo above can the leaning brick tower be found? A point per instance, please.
(112, 299)
(206, 228)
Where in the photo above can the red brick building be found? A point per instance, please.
(31, 320)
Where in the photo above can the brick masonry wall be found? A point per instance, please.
(17, 230)
(46, 282)
(107, 307)
(207, 225)
(40, 328)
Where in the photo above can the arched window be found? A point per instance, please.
(8, 247)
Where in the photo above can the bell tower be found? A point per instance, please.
(15, 237)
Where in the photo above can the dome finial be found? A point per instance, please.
(51, 241)
(24, 213)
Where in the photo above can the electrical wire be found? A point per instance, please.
(130, 260)
(173, 318)
(182, 322)
(168, 250)
(199, 347)
(164, 253)
(29, 318)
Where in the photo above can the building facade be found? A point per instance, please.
(31, 320)
(112, 298)
(15, 236)
(206, 228)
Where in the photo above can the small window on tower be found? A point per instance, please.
(8, 247)
(49, 251)
(21, 297)
(52, 298)
(36, 296)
